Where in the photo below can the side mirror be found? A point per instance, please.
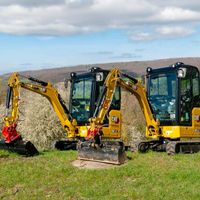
(182, 72)
(99, 77)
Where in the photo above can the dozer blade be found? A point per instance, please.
(21, 147)
(111, 152)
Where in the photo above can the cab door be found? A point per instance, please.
(188, 92)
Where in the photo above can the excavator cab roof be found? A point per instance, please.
(169, 69)
(91, 72)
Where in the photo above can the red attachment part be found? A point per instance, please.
(10, 133)
(92, 133)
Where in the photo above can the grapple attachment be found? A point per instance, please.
(109, 152)
(19, 146)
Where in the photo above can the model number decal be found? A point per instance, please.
(197, 118)
(115, 119)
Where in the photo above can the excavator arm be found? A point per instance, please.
(136, 88)
(15, 83)
(117, 78)
(104, 102)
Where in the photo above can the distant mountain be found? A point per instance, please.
(135, 67)
(60, 74)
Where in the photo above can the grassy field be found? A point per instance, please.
(146, 176)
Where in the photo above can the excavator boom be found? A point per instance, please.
(13, 140)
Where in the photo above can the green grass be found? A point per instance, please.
(146, 176)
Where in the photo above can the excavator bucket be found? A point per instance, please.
(21, 147)
(13, 142)
(110, 152)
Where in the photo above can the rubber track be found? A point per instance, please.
(171, 148)
(174, 147)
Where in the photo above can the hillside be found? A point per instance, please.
(60, 74)
(138, 67)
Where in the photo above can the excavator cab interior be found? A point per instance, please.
(173, 92)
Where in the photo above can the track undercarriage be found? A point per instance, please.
(171, 147)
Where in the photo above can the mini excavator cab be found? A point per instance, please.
(173, 92)
(85, 90)
(174, 95)
(84, 93)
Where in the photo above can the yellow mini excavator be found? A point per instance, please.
(85, 89)
(105, 147)
(171, 106)
(174, 96)
(13, 140)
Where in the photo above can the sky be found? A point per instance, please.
(37, 34)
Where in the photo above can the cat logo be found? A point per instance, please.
(115, 119)
(197, 118)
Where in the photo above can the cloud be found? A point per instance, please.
(139, 50)
(104, 53)
(100, 53)
(178, 14)
(196, 42)
(192, 4)
(126, 56)
(31, 3)
(45, 38)
(175, 31)
(26, 64)
(142, 36)
(68, 17)
(161, 32)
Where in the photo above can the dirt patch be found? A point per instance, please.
(83, 164)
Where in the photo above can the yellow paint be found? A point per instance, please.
(82, 131)
(178, 132)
